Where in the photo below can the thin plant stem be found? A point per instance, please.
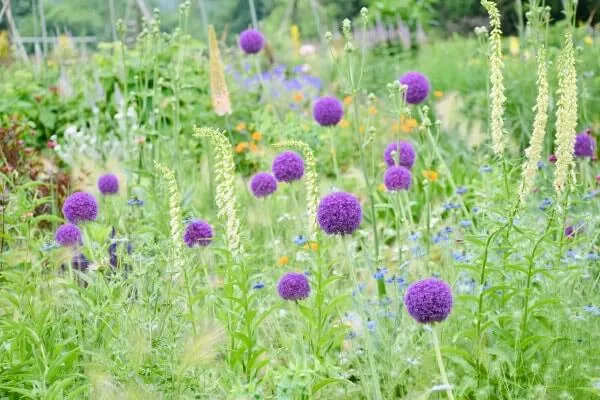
(334, 152)
(440, 362)
(253, 14)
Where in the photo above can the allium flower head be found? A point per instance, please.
(328, 111)
(263, 184)
(79, 207)
(397, 178)
(108, 184)
(68, 235)
(198, 233)
(417, 86)
(288, 166)
(339, 213)
(400, 153)
(585, 145)
(251, 41)
(293, 286)
(429, 300)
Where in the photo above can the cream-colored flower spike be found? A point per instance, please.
(534, 151)
(218, 85)
(226, 198)
(310, 181)
(175, 215)
(497, 98)
(566, 114)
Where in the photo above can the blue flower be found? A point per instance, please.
(475, 210)
(371, 325)
(415, 236)
(485, 169)
(380, 274)
(461, 190)
(465, 223)
(448, 229)
(49, 246)
(593, 256)
(545, 204)
(258, 285)
(135, 202)
(300, 240)
(541, 164)
(418, 251)
(450, 206)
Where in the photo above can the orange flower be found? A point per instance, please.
(241, 147)
(361, 129)
(438, 93)
(408, 125)
(240, 127)
(256, 136)
(347, 100)
(283, 260)
(344, 123)
(314, 246)
(298, 97)
(430, 175)
(372, 110)
(253, 147)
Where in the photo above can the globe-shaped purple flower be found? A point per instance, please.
(397, 178)
(251, 41)
(293, 286)
(417, 86)
(198, 233)
(68, 235)
(400, 153)
(108, 184)
(585, 145)
(263, 184)
(80, 207)
(429, 300)
(288, 166)
(339, 213)
(328, 111)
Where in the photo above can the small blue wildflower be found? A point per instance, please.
(135, 202)
(465, 223)
(371, 325)
(300, 240)
(258, 285)
(448, 229)
(485, 169)
(541, 164)
(415, 236)
(450, 206)
(391, 279)
(418, 251)
(593, 256)
(50, 246)
(595, 311)
(359, 288)
(380, 274)
(298, 69)
(475, 210)
(590, 195)
(351, 335)
(461, 256)
(545, 204)
(461, 190)
(292, 85)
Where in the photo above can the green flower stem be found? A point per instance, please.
(440, 362)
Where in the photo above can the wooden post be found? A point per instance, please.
(13, 31)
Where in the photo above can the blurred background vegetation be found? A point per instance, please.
(94, 17)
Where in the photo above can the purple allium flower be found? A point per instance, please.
(263, 184)
(328, 111)
(552, 158)
(429, 300)
(585, 145)
(397, 178)
(198, 233)
(339, 213)
(68, 235)
(293, 286)
(288, 166)
(79, 207)
(417, 86)
(400, 153)
(251, 41)
(570, 231)
(108, 184)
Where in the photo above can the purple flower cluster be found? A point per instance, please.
(108, 184)
(429, 300)
(293, 286)
(80, 207)
(339, 213)
(328, 111)
(68, 235)
(251, 41)
(400, 153)
(397, 178)
(263, 184)
(417, 87)
(198, 233)
(288, 167)
(585, 145)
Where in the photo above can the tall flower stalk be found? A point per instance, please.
(225, 196)
(218, 86)
(534, 151)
